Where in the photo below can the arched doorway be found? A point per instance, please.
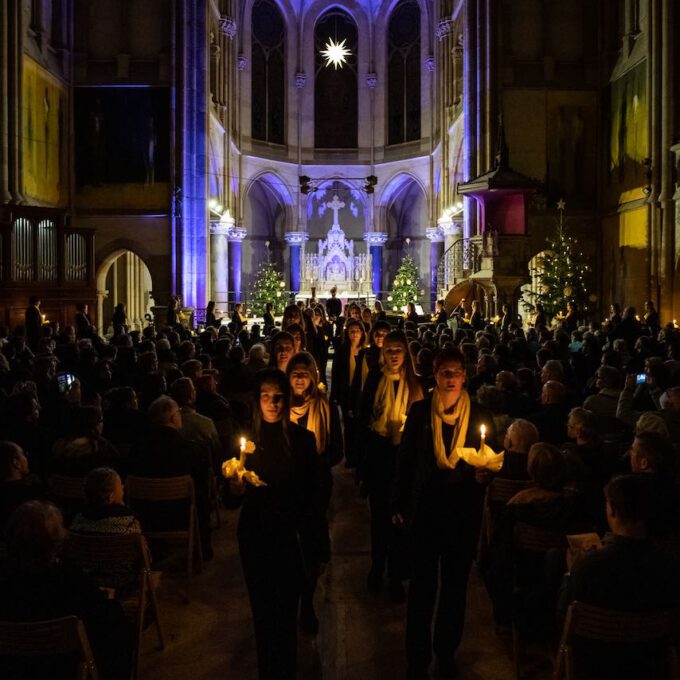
(123, 277)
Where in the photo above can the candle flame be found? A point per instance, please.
(243, 443)
(482, 429)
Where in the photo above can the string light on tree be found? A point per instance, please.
(406, 285)
(561, 272)
(335, 53)
(268, 287)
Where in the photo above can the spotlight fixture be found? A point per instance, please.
(305, 186)
(371, 181)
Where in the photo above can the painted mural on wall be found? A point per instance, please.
(44, 128)
(627, 134)
(123, 138)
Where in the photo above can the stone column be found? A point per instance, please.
(375, 240)
(219, 264)
(295, 239)
(436, 252)
(235, 237)
(451, 228)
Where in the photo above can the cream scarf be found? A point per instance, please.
(460, 418)
(352, 366)
(318, 420)
(389, 410)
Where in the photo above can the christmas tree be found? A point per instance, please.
(561, 272)
(268, 287)
(406, 287)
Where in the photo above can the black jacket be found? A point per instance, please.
(447, 504)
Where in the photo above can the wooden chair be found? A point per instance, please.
(500, 490)
(587, 622)
(69, 494)
(161, 490)
(531, 539)
(55, 637)
(110, 551)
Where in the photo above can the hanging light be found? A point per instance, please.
(335, 54)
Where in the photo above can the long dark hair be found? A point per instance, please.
(345, 333)
(415, 389)
(276, 377)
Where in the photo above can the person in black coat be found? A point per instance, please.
(272, 516)
(163, 452)
(310, 409)
(345, 362)
(440, 316)
(390, 390)
(33, 322)
(268, 318)
(476, 318)
(438, 499)
(333, 306)
(82, 322)
(367, 358)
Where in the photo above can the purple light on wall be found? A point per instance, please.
(194, 225)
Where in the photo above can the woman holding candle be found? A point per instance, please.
(389, 391)
(311, 410)
(271, 520)
(439, 498)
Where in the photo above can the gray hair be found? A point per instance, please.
(100, 483)
(161, 409)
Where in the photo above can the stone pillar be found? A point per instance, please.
(219, 264)
(235, 237)
(436, 253)
(451, 228)
(295, 240)
(192, 136)
(375, 240)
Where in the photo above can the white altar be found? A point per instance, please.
(335, 263)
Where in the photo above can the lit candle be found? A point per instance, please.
(482, 429)
(242, 458)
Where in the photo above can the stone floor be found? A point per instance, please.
(361, 636)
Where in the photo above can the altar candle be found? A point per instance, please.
(482, 429)
(243, 451)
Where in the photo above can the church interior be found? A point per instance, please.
(160, 158)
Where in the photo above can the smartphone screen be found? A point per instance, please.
(641, 378)
(64, 381)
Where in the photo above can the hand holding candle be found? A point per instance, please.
(233, 468)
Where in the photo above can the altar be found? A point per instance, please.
(335, 264)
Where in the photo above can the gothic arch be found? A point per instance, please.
(394, 184)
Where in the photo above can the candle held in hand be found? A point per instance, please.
(242, 457)
(482, 429)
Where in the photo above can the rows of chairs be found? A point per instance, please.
(67, 635)
(583, 621)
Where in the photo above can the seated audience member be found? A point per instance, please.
(551, 419)
(195, 427)
(105, 511)
(163, 452)
(520, 436)
(123, 421)
(608, 385)
(83, 448)
(629, 574)
(257, 357)
(17, 484)
(669, 402)
(517, 404)
(106, 514)
(584, 457)
(35, 586)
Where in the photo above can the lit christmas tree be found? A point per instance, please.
(406, 286)
(268, 287)
(561, 273)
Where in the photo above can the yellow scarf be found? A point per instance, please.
(318, 420)
(460, 418)
(364, 372)
(352, 366)
(389, 410)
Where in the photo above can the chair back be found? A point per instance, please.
(106, 550)
(72, 488)
(608, 625)
(502, 490)
(54, 637)
(534, 539)
(152, 489)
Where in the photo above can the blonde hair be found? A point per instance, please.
(524, 435)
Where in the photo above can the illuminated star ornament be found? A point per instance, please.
(335, 53)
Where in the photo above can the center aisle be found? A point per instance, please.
(361, 635)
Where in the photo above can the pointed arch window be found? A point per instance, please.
(335, 90)
(268, 65)
(403, 73)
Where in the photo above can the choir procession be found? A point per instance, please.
(339, 340)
